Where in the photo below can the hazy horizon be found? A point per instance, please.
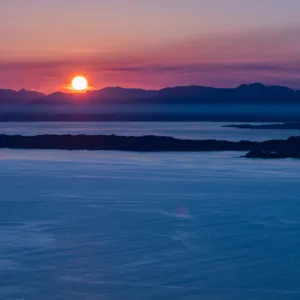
(139, 88)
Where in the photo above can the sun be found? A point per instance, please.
(79, 83)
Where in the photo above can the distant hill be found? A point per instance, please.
(247, 103)
(246, 93)
(19, 97)
(115, 93)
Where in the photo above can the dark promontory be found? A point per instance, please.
(286, 148)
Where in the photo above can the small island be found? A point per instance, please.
(280, 126)
(272, 155)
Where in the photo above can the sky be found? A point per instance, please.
(149, 44)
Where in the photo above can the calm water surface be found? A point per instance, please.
(113, 225)
(197, 130)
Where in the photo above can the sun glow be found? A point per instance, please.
(79, 83)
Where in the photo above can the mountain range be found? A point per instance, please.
(246, 93)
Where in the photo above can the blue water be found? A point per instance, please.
(191, 130)
(115, 225)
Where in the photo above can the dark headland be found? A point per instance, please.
(267, 149)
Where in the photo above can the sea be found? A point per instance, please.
(136, 226)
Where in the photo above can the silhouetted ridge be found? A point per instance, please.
(19, 97)
(246, 93)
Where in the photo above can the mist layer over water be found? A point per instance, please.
(152, 112)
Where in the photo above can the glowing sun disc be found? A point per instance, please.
(79, 83)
